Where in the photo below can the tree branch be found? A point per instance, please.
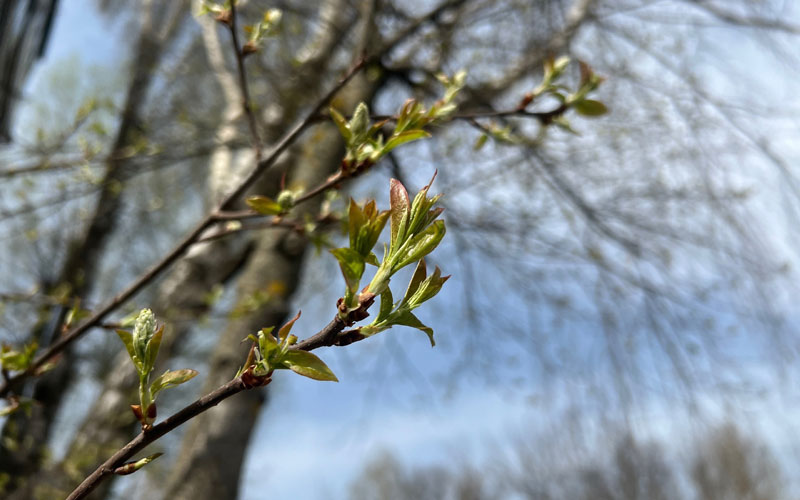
(246, 104)
(184, 244)
(332, 334)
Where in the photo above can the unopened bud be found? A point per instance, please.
(143, 331)
(359, 124)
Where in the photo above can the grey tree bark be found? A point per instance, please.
(24, 438)
(211, 456)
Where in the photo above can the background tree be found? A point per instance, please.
(638, 241)
(722, 465)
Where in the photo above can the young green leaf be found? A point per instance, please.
(416, 279)
(427, 289)
(407, 318)
(285, 329)
(127, 339)
(387, 302)
(352, 266)
(171, 379)
(341, 123)
(308, 365)
(399, 203)
(589, 107)
(403, 137)
(264, 205)
(267, 343)
(151, 352)
(422, 244)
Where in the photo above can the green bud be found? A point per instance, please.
(143, 330)
(359, 124)
(559, 66)
(286, 199)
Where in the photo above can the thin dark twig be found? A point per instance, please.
(544, 117)
(246, 103)
(329, 183)
(226, 204)
(183, 245)
(145, 438)
(332, 334)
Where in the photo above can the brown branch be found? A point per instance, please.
(184, 244)
(276, 221)
(332, 334)
(246, 104)
(544, 117)
(145, 438)
(332, 181)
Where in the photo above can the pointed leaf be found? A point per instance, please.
(352, 265)
(427, 289)
(372, 259)
(420, 207)
(562, 123)
(386, 305)
(433, 214)
(404, 137)
(341, 123)
(408, 319)
(422, 244)
(416, 279)
(356, 218)
(171, 379)
(369, 233)
(127, 339)
(308, 365)
(589, 107)
(151, 352)
(480, 142)
(285, 329)
(399, 203)
(264, 205)
(267, 344)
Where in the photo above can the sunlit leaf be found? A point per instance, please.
(386, 304)
(171, 379)
(285, 329)
(308, 365)
(404, 137)
(127, 339)
(352, 265)
(399, 203)
(589, 107)
(408, 319)
(264, 205)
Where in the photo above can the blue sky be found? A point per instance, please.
(341, 426)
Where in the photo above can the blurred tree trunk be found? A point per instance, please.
(210, 460)
(24, 30)
(109, 423)
(24, 438)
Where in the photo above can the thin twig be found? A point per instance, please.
(246, 104)
(332, 334)
(183, 245)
